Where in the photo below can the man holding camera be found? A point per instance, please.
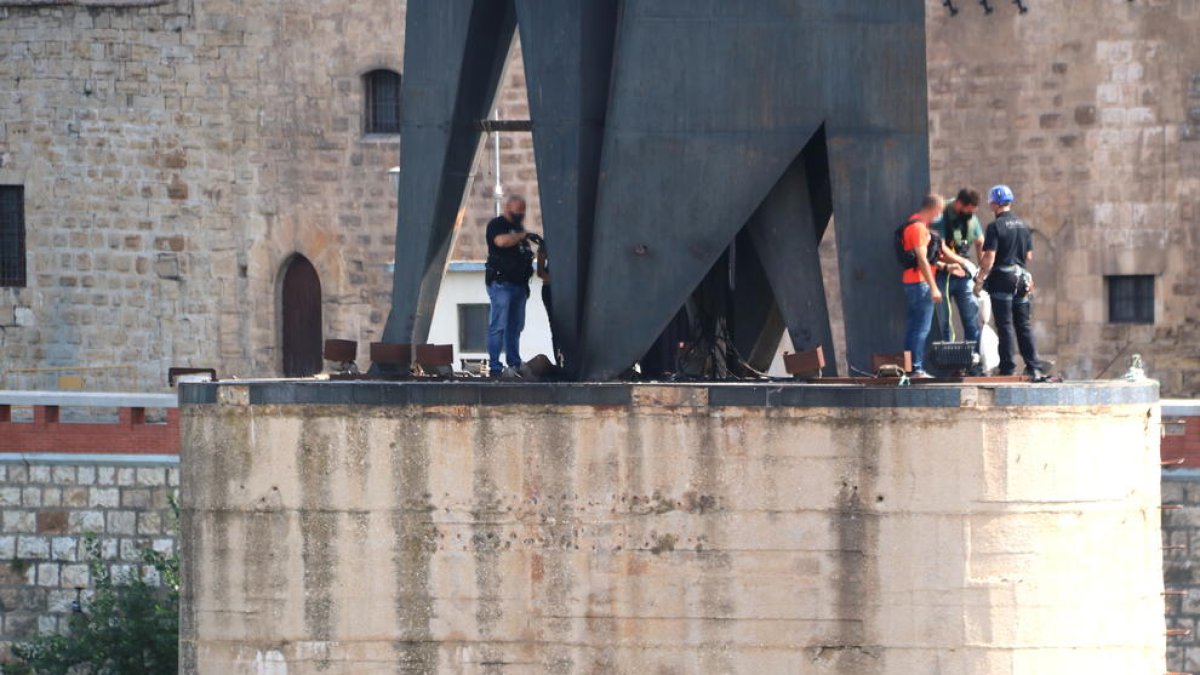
(509, 267)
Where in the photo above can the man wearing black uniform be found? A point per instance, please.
(1007, 248)
(509, 267)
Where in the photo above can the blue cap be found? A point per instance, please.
(1001, 194)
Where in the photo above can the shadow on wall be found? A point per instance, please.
(1044, 268)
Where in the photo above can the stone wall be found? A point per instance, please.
(1089, 110)
(462, 527)
(175, 157)
(1181, 566)
(49, 504)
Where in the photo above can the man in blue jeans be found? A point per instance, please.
(509, 267)
(962, 233)
(920, 290)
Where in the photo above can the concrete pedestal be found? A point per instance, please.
(491, 528)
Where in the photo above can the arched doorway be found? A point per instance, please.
(301, 319)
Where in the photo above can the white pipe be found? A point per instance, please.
(498, 190)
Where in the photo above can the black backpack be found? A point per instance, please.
(908, 259)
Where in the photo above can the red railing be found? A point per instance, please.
(48, 433)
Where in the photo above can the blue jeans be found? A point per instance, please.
(962, 292)
(920, 321)
(506, 320)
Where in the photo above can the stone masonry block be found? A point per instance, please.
(81, 522)
(126, 477)
(130, 550)
(149, 523)
(48, 574)
(151, 477)
(75, 576)
(10, 496)
(106, 475)
(135, 498)
(51, 522)
(51, 497)
(75, 497)
(19, 521)
(64, 548)
(86, 475)
(39, 474)
(8, 547)
(33, 548)
(31, 497)
(104, 498)
(122, 522)
(62, 475)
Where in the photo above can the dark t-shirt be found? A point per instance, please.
(1010, 238)
(513, 264)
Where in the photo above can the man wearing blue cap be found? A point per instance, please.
(1007, 249)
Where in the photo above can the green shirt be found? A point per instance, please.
(953, 227)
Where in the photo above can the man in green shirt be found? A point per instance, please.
(962, 232)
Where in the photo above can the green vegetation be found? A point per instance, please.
(130, 626)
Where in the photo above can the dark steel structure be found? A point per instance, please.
(677, 140)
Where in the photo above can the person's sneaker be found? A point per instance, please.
(919, 375)
(510, 373)
(1039, 370)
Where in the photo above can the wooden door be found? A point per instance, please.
(301, 323)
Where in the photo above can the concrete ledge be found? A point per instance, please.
(82, 399)
(1175, 407)
(81, 459)
(775, 394)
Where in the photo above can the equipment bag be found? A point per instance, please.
(908, 258)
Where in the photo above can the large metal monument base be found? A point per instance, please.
(669, 134)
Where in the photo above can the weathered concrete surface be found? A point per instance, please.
(671, 536)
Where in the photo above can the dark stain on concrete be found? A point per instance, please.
(486, 513)
(318, 531)
(856, 529)
(664, 543)
(265, 554)
(715, 580)
(415, 544)
(556, 459)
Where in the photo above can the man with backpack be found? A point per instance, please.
(507, 272)
(918, 249)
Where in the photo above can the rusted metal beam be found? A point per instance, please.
(504, 126)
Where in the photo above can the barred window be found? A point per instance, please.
(382, 89)
(472, 328)
(1130, 298)
(12, 235)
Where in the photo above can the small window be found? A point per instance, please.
(12, 235)
(472, 329)
(1130, 298)
(382, 101)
